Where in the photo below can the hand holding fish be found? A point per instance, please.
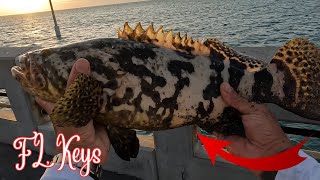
(264, 136)
(91, 136)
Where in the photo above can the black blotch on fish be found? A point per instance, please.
(144, 53)
(150, 91)
(158, 81)
(137, 103)
(125, 60)
(236, 64)
(128, 94)
(99, 45)
(235, 76)
(175, 67)
(112, 84)
(141, 71)
(116, 101)
(212, 90)
(48, 69)
(185, 55)
(45, 53)
(215, 55)
(65, 56)
(229, 123)
(171, 102)
(289, 86)
(202, 113)
(262, 85)
(97, 66)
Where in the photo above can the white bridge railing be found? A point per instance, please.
(171, 154)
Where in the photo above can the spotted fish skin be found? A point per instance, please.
(154, 81)
(146, 86)
(152, 88)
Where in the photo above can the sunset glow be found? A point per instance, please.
(9, 7)
(23, 6)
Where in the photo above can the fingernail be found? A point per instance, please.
(82, 66)
(227, 88)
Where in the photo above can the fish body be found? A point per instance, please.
(154, 81)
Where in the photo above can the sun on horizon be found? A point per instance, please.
(11, 7)
(22, 6)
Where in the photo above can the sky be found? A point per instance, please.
(9, 7)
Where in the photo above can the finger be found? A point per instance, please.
(102, 133)
(234, 100)
(47, 106)
(80, 66)
(237, 144)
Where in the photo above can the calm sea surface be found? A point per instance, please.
(236, 22)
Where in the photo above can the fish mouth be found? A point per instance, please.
(28, 73)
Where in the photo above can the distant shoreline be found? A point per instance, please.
(57, 10)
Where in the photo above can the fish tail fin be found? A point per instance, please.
(295, 71)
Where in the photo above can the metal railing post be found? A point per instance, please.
(56, 27)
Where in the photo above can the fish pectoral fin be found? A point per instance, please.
(229, 123)
(79, 104)
(124, 141)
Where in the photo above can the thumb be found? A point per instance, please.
(80, 66)
(47, 106)
(234, 100)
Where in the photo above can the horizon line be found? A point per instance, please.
(55, 10)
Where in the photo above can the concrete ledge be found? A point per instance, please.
(203, 169)
(9, 53)
(144, 166)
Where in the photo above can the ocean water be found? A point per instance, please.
(236, 22)
(246, 23)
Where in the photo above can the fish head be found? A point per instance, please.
(35, 77)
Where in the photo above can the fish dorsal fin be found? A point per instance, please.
(221, 51)
(163, 39)
(211, 47)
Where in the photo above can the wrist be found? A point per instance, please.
(281, 146)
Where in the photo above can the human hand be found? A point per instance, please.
(264, 136)
(91, 136)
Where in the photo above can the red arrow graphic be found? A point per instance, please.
(276, 162)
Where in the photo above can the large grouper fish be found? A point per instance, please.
(156, 80)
